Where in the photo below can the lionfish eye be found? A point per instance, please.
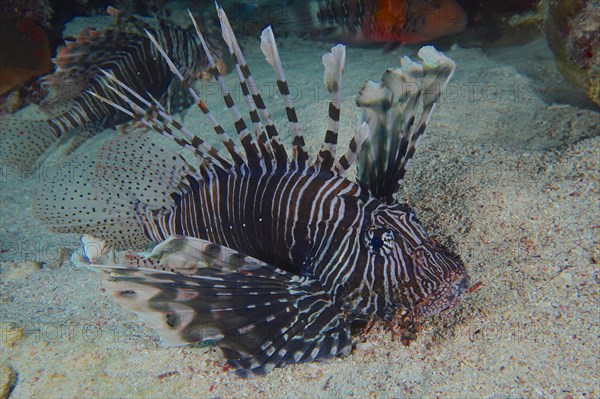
(379, 240)
(376, 243)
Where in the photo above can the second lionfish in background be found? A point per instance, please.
(68, 112)
(270, 257)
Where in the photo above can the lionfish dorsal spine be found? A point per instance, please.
(221, 133)
(391, 107)
(437, 72)
(271, 53)
(247, 82)
(346, 160)
(200, 148)
(250, 149)
(144, 116)
(272, 152)
(334, 69)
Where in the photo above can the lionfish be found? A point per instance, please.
(271, 258)
(69, 113)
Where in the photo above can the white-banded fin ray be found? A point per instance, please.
(271, 53)
(251, 87)
(334, 69)
(391, 108)
(191, 291)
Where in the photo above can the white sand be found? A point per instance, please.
(507, 175)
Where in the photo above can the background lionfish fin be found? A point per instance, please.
(249, 86)
(390, 107)
(334, 69)
(261, 317)
(24, 141)
(271, 53)
(112, 196)
(79, 135)
(79, 60)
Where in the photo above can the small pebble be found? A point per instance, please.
(567, 277)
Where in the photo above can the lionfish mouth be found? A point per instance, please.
(445, 298)
(460, 285)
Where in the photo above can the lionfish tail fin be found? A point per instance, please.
(118, 194)
(195, 291)
(391, 109)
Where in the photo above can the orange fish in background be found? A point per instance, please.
(413, 21)
(393, 22)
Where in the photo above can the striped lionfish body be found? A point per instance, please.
(70, 112)
(271, 258)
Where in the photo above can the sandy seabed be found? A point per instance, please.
(506, 175)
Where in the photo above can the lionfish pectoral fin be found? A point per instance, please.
(391, 108)
(24, 141)
(261, 317)
(128, 184)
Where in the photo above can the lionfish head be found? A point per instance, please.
(430, 277)
(444, 289)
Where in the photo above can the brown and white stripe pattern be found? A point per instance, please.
(302, 251)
